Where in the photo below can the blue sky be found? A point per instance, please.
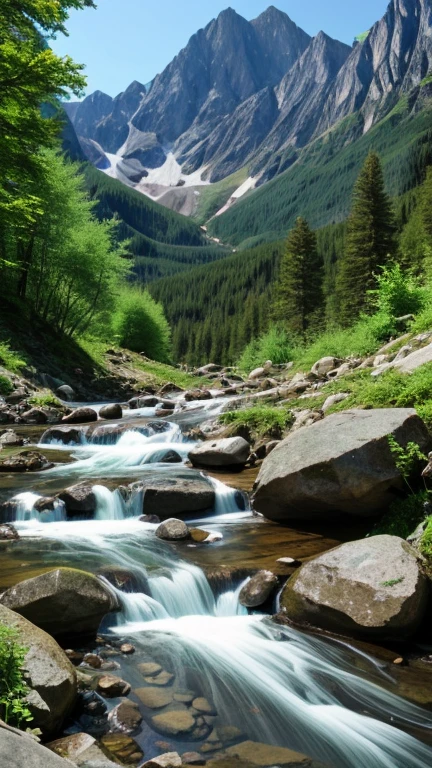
(125, 40)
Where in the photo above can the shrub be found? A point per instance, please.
(10, 359)
(262, 419)
(47, 400)
(6, 386)
(403, 516)
(275, 345)
(13, 689)
(139, 324)
(398, 293)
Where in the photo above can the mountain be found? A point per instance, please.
(245, 103)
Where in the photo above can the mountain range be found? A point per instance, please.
(239, 103)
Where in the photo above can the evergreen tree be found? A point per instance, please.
(426, 206)
(299, 291)
(369, 243)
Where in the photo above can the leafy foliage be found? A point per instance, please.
(403, 516)
(273, 345)
(261, 419)
(13, 689)
(6, 386)
(406, 458)
(139, 324)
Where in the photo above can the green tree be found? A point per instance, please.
(426, 207)
(139, 324)
(370, 241)
(30, 75)
(299, 290)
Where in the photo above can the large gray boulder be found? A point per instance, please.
(63, 602)
(258, 589)
(170, 496)
(50, 675)
(80, 416)
(340, 465)
(231, 451)
(368, 588)
(65, 435)
(18, 750)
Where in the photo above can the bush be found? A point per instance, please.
(10, 359)
(398, 293)
(261, 419)
(47, 400)
(13, 690)
(275, 345)
(403, 516)
(6, 386)
(139, 324)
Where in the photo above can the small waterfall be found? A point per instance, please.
(186, 592)
(25, 509)
(109, 505)
(230, 503)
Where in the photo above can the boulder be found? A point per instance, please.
(168, 760)
(256, 755)
(113, 411)
(79, 499)
(10, 439)
(172, 530)
(18, 750)
(257, 373)
(62, 602)
(51, 676)
(80, 416)
(325, 365)
(258, 589)
(73, 747)
(144, 401)
(169, 496)
(371, 588)
(340, 465)
(174, 723)
(8, 532)
(35, 416)
(65, 392)
(197, 394)
(16, 396)
(333, 400)
(231, 451)
(112, 686)
(125, 718)
(26, 461)
(409, 363)
(64, 435)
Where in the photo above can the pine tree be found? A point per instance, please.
(370, 241)
(299, 291)
(426, 206)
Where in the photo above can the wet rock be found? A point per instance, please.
(127, 649)
(10, 439)
(228, 733)
(51, 676)
(149, 668)
(146, 401)
(34, 416)
(18, 750)
(198, 535)
(173, 530)
(252, 753)
(92, 660)
(151, 519)
(169, 496)
(8, 532)
(203, 705)
(123, 748)
(16, 396)
(340, 465)
(258, 373)
(112, 687)
(64, 435)
(169, 760)
(184, 697)
(62, 602)
(193, 758)
(169, 389)
(121, 578)
(26, 461)
(80, 416)
(125, 718)
(291, 561)
(154, 698)
(175, 723)
(79, 499)
(258, 589)
(76, 657)
(231, 451)
(113, 411)
(171, 457)
(369, 588)
(162, 413)
(197, 394)
(162, 679)
(65, 392)
(72, 746)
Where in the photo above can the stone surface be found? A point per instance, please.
(149, 668)
(408, 363)
(79, 499)
(10, 439)
(169, 760)
(373, 588)
(72, 746)
(258, 589)
(8, 532)
(253, 753)
(169, 496)
(203, 705)
(231, 451)
(113, 411)
(17, 750)
(325, 365)
(123, 748)
(112, 687)
(62, 602)
(125, 718)
(172, 530)
(175, 723)
(65, 392)
(35, 416)
(154, 698)
(51, 676)
(65, 435)
(342, 464)
(80, 416)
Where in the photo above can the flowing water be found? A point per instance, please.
(276, 685)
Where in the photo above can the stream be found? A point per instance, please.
(274, 684)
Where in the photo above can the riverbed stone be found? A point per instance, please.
(10, 439)
(203, 706)
(19, 750)
(252, 753)
(80, 416)
(125, 717)
(149, 668)
(35, 416)
(79, 499)
(62, 602)
(51, 676)
(228, 452)
(8, 532)
(72, 746)
(169, 496)
(26, 461)
(258, 589)
(172, 530)
(112, 411)
(174, 723)
(154, 698)
(340, 465)
(111, 686)
(372, 588)
(123, 748)
(65, 435)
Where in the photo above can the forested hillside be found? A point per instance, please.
(320, 178)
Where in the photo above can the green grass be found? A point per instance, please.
(393, 582)
(260, 419)
(426, 541)
(45, 400)
(426, 80)
(10, 359)
(403, 516)
(6, 386)
(362, 37)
